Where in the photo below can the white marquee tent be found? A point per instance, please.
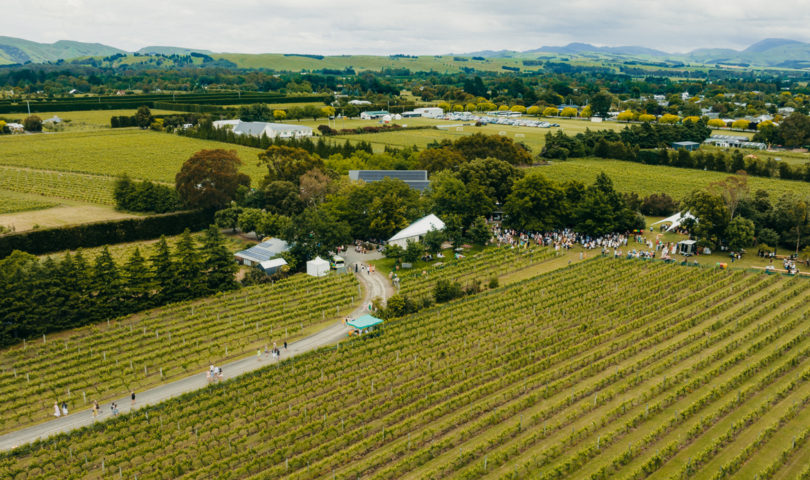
(676, 220)
(317, 267)
(415, 231)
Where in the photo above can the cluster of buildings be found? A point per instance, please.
(257, 129)
(733, 141)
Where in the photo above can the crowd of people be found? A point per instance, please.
(275, 352)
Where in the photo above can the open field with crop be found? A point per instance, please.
(661, 371)
(141, 154)
(647, 179)
(85, 119)
(144, 349)
(11, 202)
(53, 183)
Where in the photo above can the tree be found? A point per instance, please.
(433, 240)
(716, 123)
(668, 118)
(601, 103)
(328, 112)
(450, 195)
(446, 290)
(217, 263)
(479, 232)
(791, 213)
(658, 205)
(288, 163)
(535, 204)
(32, 123)
(795, 130)
(314, 185)
(249, 219)
(454, 229)
(137, 280)
(495, 176)
(533, 110)
(479, 145)
(189, 268)
(646, 118)
(712, 216)
(602, 210)
(586, 112)
(550, 112)
(413, 251)
(518, 108)
(228, 217)
(626, 116)
(741, 124)
(143, 117)
(165, 272)
(210, 179)
(739, 233)
(394, 251)
(279, 115)
(283, 197)
(568, 112)
(106, 284)
(733, 190)
(438, 159)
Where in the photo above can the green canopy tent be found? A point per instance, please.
(364, 323)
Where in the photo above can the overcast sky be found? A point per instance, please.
(411, 27)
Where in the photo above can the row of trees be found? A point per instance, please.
(632, 138)
(41, 296)
(144, 196)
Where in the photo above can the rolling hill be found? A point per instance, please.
(17, 50)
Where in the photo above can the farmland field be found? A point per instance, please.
(647, 179)
(141, 350)
(662, 372)
(87, 119)
(68, 185)
(67, 213)
(11, 202)
(141, 154)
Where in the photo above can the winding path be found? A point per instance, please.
(375, 285)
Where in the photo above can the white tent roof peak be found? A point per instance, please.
(676, 220)
(419, 227)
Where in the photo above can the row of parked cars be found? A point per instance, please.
(498, 120)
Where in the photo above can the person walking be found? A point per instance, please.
(259, 354)
(133, 397)
(64, 409)
(56, 412)
(285, 345)
(95, 409)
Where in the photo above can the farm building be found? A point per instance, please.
(257, 129)
(733, 141)
(372, 115)
(416, 179)
(272, 266)
(688, 146)
(429, 112)
(262, 252)
(416, 231)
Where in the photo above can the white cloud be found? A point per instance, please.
(395, 26)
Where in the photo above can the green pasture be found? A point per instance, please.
(647, 179)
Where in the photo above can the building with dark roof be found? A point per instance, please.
(416, 179)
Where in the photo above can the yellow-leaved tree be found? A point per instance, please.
(626, 116)
(518, 108)
(586, 112)
(740, 123)
(716, 123)
(668, 118)
(533, 110)
(550, 112)
(568, 112)
(646, 118)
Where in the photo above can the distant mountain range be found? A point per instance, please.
(771, 52)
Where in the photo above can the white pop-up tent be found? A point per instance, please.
(317, 267)
(676, 220)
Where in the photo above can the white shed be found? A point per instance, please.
(416, 231)
(318, 267)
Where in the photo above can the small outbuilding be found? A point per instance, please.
(262, 252)
(318, 267)
(688, 146)
(416, 231)
(272, 266)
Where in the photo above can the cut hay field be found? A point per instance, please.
(647, 179)
(66, 213)
(662, 372)
(141, 154)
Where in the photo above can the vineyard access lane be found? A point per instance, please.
(375, 285)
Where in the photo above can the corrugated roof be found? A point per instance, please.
(365, 321)
(264, 251)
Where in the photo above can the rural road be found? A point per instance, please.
(375, 285)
